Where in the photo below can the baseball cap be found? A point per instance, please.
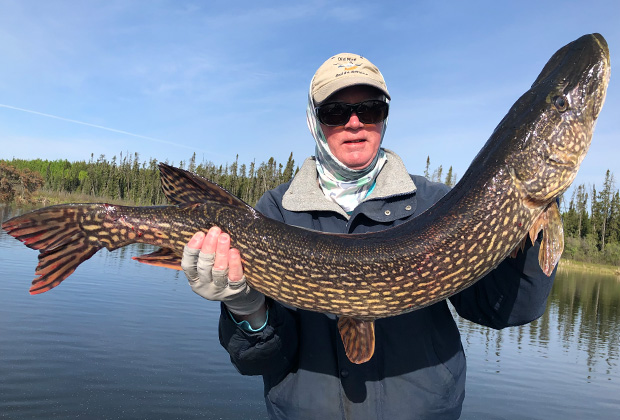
(344, 70)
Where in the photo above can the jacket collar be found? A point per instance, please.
(304, 193)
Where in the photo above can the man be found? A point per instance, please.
(353, 185)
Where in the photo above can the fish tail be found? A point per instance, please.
(57, 233)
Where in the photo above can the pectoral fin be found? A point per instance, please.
(519, 247)
(163, 257)
(552, 245)
(358, 338)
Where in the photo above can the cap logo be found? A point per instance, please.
(348, 66)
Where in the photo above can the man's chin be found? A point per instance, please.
(357, 164)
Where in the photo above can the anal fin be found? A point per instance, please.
(163, 257)
(358, 338)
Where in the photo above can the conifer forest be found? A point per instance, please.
(591, 214)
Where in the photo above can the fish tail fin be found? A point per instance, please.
(58, 264)
(57, 234)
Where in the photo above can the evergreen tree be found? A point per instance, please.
(450, 178)
(605, 207)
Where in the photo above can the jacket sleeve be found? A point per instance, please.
(271, 351)
(514, 293)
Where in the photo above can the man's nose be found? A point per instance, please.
(354, 121)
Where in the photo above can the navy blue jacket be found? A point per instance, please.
(418, 368)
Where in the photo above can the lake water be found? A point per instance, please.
(122, 340)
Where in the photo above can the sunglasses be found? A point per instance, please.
(338, 113)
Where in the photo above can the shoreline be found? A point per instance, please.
(42, 198)
(566, 264)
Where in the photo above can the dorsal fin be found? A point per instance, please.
(183, 187)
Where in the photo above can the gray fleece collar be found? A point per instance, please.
(304, 193)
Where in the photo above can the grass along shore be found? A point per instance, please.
(43, 198)
(572, 265)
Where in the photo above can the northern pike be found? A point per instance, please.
(507, 194)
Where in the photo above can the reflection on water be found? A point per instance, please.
(583, 312)
(564, 365)
(123, 340)
(117, 340)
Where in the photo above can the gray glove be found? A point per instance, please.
(214, 284)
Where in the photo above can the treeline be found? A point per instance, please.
(437, 174)
(592, 223)
(127, 178)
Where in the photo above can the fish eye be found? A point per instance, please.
(561, 103)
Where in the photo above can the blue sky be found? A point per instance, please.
(220, 78)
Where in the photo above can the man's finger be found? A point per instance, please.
(210, 243)
(235, 269)
(196, 241)
(221, 252)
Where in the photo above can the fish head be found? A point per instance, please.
(557, 117)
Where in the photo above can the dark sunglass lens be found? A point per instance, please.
(334, 114)
(372, 112)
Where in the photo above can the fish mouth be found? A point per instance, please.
(582, 67)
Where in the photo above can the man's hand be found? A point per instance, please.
(215, 272)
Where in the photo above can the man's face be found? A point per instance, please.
(355, 144)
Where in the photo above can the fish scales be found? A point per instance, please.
(507, 194)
